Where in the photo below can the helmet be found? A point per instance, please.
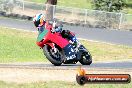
(38, 20)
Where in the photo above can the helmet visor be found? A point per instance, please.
(36, 23)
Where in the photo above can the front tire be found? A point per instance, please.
(54, 58)
(86, 59)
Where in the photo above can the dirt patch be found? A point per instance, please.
(22, 75)
(35, 75)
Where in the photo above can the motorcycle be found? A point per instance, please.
(58, 49)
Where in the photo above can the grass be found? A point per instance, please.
(80, 4)
(20, 46)
(61, 84)
(103, 52)
(70, 3)
(129, 18)
(128, 10)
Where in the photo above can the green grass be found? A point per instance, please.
(80, 4)
(128, 10)
(59, 84)
(38, 1)
(20, 46)
(70, 3)
(129, 18)
(103, 52)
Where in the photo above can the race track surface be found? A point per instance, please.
(98, 65)
(103, 35)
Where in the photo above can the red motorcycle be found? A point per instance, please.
(58, 49)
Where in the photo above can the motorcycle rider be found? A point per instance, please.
(40, 22)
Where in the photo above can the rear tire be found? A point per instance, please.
(57, 61)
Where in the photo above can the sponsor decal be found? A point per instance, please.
(83, 78)
(71, 57)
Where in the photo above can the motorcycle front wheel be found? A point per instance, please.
(54, 57)
(86, 59)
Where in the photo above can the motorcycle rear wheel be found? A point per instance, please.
(55, 59)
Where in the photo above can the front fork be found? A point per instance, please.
(54, 48)
(52, 45)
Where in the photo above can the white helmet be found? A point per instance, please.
(37, 19)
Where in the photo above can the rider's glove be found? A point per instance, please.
(53, 30)
(58, 29)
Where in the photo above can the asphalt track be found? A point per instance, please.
(110, 36)
(103, 35)
(97, 65)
